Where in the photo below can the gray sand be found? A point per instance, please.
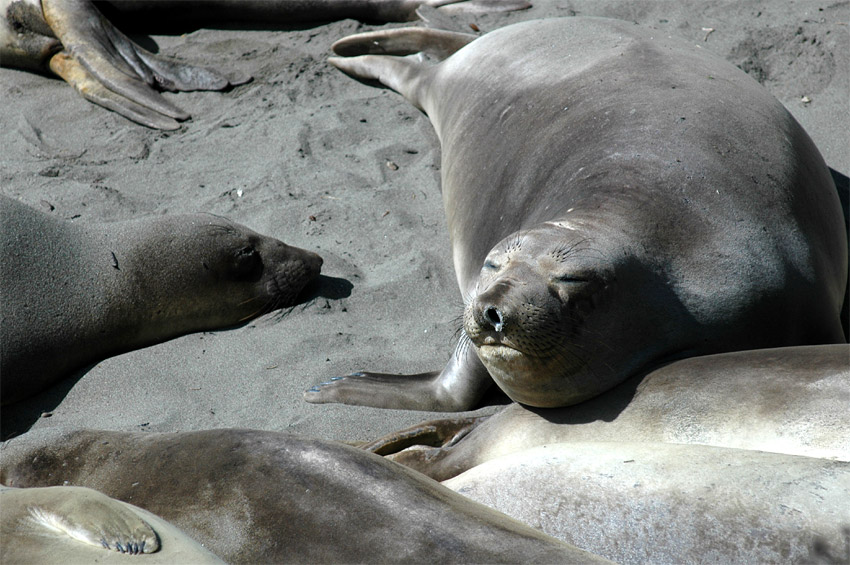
(321, 161)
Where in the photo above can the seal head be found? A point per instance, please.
(529, 315)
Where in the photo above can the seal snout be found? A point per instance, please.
(313, 264)
(490, 311)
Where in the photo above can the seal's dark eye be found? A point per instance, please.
(570, 279)
(246, 251)
(491, 265)
(247, 263)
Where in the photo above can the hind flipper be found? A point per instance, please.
(109, 60)
(400, 59)
(478, 6)
(437, 43)
(72, 72)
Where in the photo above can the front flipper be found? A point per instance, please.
(460, 386)
(82, 514)
(109, 69)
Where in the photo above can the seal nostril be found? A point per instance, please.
(492, 314)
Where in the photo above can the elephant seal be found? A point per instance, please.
(81, 525)
(268, 497)
(72, 294)
(789, 400)
(73, 39)
(665, 503)
(615, 200)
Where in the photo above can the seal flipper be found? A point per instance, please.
(114, 62)
(459, 386)
(479, 6)
(403, 41)
(428, 447)
(85, 515)
(397, 58)
(92, 90)
(433, 433)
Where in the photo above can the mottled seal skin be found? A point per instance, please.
(788, 400)
(616, 200)
(80, 525)
(73, 39)
(267, 497)
(76, 293)
(665, 503)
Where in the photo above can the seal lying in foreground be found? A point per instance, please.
(73, 294)
(616, 200)
(79, 525)
(788, 400)
(267, 497)
(665, 503)
(72, 39)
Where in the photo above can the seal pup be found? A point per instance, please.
(267, 497)
(666, 503)
(615, 200)
(72, 39)
(788, 400)
(81, 525)
(72, 294)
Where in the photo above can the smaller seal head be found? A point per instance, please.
(246, 274)
(527, 318)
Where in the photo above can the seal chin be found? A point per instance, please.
(535, 378)
(511, 368)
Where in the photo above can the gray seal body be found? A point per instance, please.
(266, 497)
(616, 200)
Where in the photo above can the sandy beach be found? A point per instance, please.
(321, 161)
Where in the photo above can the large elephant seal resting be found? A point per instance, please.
(267, 497)
(73, 39)
(73, 294)
(615, 200)
(788, 400)
(80, 525)
(665, 503)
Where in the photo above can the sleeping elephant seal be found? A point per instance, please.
(665, 503)
(72, 39)
(267, 497)
(615, 200)
(79, 525)
(788, 400)
(73, 294)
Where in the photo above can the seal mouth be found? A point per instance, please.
(500, 352)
